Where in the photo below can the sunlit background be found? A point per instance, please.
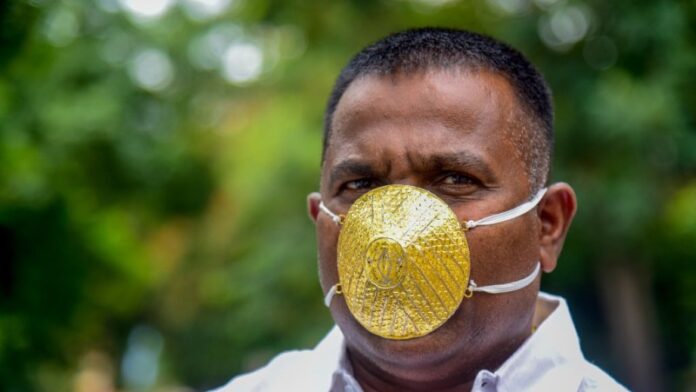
(155, 156)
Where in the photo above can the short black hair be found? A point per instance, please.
(440, 48)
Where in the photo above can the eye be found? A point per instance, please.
(458, 179)
(360, 184)
(456, 184)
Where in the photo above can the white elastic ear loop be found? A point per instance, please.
(507, 287)
(509, 214)
(336, 218)
(491, 289)
(335, 289)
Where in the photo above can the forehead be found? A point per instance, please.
(454, 96)
(385, 117)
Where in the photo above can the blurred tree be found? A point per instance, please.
(155, 156)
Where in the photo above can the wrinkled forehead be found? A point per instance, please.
(425, 110)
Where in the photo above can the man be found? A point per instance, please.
(433, 221)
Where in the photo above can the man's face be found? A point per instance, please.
(448, 132)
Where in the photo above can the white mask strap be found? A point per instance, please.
(335, 289)
(506, 287)
(336, 218)
(509, 214)
(473, 287)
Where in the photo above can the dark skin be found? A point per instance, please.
(446, 131)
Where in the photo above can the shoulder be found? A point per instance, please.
(552, 359)
(297, 370)
(595, 379)
(281, 371)
(573, 376)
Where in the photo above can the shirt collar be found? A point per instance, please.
(542, 357)
(538, 362)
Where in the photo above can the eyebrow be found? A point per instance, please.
(462, 160)
(456, 161)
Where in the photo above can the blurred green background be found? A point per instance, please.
(155, 156)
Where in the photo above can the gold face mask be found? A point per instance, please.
(403, 260)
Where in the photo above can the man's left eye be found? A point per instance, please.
(457, 179)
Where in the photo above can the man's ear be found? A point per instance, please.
(556, 212)
(313, 200)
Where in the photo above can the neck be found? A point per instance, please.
(453, 374)
(373, 380)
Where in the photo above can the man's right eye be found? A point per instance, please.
(360, 184)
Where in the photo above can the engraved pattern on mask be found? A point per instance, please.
(385, 263)
(403, 261)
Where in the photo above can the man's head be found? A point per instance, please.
(417, 50)
(469, 120)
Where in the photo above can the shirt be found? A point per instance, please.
(549, 360)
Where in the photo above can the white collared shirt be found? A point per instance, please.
(549, 360)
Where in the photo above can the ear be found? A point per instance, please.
(556, 212)
(313, 200)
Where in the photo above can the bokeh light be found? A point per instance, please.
(151, 69)
(61, 27)
(509, 7)
(147, 9)
(205, 9)
(140, 366)
(564, 26)
(207, 49)
(242, 63)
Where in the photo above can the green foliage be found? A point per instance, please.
(152, 175)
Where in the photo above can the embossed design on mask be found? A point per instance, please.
(404, 261)
(385, 262)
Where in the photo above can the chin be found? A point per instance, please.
(426, 351)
